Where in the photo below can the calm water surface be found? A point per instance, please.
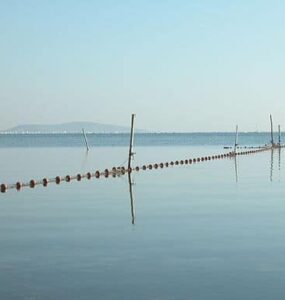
(206, 231)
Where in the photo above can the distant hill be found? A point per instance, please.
(72, 127)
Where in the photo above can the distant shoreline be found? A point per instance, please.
(127, 133)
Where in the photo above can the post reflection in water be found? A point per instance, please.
(279, 159)
(272, 154)
(272, 163)
(236, 168)
(131, 197)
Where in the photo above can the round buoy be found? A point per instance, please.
(198, 159)
(32, 183)
(78, 177)
(213, 157)
(57, 180)
(155, 166)
(150, 167)
(67, 178)
(177, 162)
(4, 188)
(202, 158)
(209, 157)
(194, 160)
(190, 161)
(171, 163)
(181, 162)
(88, 175)
(186, 161)
(97, 174)
(166, 164)
(18, 185)
(161, 165)
(137, 168)
(106, 173)
(144, 167)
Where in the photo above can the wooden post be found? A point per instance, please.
(279, 136)
(236, 140)
(272, 139)
(131, 153)
(85, 138)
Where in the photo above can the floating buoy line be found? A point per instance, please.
(119, 171)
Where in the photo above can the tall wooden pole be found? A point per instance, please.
(236, 140)
(85, 138)
(131, 153)
(271, 124)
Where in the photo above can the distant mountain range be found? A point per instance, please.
(72, 127)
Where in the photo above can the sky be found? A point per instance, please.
(180, 65)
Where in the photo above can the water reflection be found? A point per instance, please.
(273, 151)
(271, 164)
(84, 162)
(236, 168)
(131, 183)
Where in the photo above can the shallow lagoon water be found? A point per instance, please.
(213, 230)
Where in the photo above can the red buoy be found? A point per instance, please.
(97, 174)
(57, 180)
(32, 183)
(4, 188)
(18, 185)
(67, 178)
(106, 173)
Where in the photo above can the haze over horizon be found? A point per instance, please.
(188, 66)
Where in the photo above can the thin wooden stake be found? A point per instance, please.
(131, 153)
(236, 140)
(85, 138)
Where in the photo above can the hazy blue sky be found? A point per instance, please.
(180, 65)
